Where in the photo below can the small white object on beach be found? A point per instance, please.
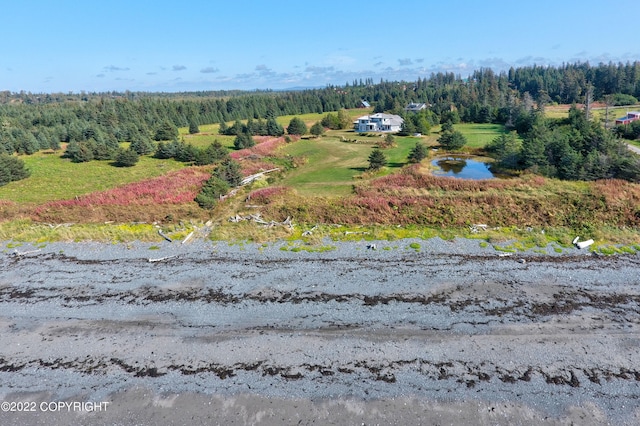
(584, 244)
(188, 237)
(160, 259)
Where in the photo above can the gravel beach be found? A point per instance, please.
(442, 332)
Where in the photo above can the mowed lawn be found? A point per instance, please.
(329, 168)
(479, 135)
(331, 165)
(54, 178)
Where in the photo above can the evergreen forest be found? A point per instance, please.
(94, 124)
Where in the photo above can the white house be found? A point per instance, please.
(379, 123)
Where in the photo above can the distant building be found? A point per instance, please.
(415, 107)
(379, 123)
(364, 104)
(631, 116)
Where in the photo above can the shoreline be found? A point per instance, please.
(253, 334)
(287, 248)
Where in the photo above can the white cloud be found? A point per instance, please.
(113, 68)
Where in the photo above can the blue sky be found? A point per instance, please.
(168, 45)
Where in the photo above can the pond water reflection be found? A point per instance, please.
(462, 167)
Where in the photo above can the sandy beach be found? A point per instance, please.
(252, 334)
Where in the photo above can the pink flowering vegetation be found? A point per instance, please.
(251, 166)
(411, 179)
(265, 146)
(267, 195)
(413, 197)
(177, 187)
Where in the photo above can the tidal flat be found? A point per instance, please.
(446, 333)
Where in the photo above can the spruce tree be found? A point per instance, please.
(142, 145)
(243, 140)
(211, 191)
(452, 140)
(418, 153)
(212, 154)
(229, 171)
(297, 127)
(11, 169)
(193, 127)
(317, 129)
(377, 159)
(165, 150)
(273, 128)
(166, 131)
(126, 158)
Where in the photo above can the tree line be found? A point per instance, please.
(94, 124)
(572, 149)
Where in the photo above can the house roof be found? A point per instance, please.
(365, 103)
(394, 120)
(414, 106)
(631, 116)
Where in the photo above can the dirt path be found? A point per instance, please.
(352, 336)
(633, 148)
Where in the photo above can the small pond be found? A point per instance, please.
(463, 167)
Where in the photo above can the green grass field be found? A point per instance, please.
(599, 113)
(55, 178)
(330, 169)
(332, 165)
(479, 135)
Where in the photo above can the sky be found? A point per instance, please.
(198, 45)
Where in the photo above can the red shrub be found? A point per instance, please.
(411, 177)
(173, 188)
(253, 166)
(617, 191)
(265, 195)
(265, 146)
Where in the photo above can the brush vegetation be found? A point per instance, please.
(66, 186)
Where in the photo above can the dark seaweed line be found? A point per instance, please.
(450, 370)
(563, 303)
(406, 258)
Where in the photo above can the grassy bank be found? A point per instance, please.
(324, 181)
(303, 237)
